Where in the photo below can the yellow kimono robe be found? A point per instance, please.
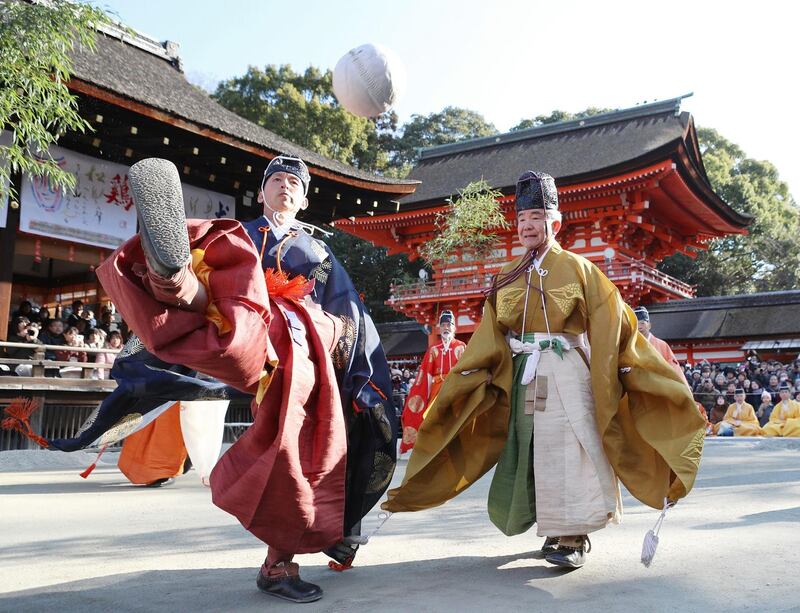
(651, 431)
(748, 425)
(784, 420)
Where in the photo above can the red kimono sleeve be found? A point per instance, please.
(417, 401)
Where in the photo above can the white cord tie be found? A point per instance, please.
(651, 538)
(383, 517)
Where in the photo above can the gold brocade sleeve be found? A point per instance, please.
(652, 432)
(466, 426)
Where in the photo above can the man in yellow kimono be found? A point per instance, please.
(785, 417)
(436, 363)
(561, 422)
(740, 418)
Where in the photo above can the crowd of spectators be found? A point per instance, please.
(714, 385)
(402, 378)
(75, 329)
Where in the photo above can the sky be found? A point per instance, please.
(510, 60)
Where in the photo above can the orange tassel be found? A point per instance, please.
(280, 285)
(18, 415)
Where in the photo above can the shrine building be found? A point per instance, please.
(632, 190)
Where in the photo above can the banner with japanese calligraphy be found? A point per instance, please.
(100, 211)
(204, 204)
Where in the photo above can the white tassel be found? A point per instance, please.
(651, 538)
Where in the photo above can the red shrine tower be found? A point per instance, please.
(632, 191)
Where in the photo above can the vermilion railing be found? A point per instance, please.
(620, 270)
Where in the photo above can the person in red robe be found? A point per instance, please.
(643, 321)
(436, 363)
(202, 300)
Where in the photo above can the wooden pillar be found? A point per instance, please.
(7, 239)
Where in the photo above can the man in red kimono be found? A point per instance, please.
(436, 363)
(202, 300)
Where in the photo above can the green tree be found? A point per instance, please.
(768, 257)
(36, 107)
(373, 272)
(451, 125)
(468, 224)
(303, 109)
(557, 116)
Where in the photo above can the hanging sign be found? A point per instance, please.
(101, 211)
(204, 204)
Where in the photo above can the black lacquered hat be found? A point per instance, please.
(536, 190)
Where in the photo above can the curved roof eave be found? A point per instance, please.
(671, 150)
(160, 88)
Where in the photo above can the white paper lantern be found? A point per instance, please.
(368, 80)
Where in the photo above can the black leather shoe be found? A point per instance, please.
(570, 557)
(550, 545)
(289, 587)
(160, 482)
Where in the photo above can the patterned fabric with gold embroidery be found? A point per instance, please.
(382, 472)
(321, 271)
(146, 387)
(563, 296)
(344, 346)
(566, 296)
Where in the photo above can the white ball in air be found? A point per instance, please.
(368, 80)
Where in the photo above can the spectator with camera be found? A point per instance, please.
(74, 340)
(22, 331)
(706, 394)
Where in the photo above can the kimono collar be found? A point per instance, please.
(553, 246)
(277, 231)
